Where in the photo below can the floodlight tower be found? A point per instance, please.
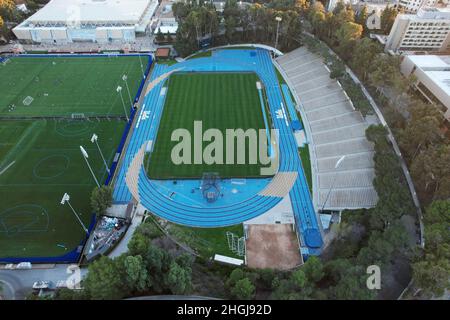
(142, 67)
(124, 78)
(119, 90)
(94, 139)
(65, 199)
(336, 166)
(278, 19)
(86, 156)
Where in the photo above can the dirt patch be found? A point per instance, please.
(272, 246)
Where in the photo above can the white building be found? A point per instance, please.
(428, 30)
(412, 6)
(433, 78)
(63, 21)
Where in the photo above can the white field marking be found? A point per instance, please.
(140, 116)
(284, 115)
(7, 167)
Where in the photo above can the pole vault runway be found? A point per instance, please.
(133, 182)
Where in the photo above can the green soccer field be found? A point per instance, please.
(60, 86)
(220, 100)
(40, 160)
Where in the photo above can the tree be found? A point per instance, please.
(313, 269)
(104, 280)
(168, 37)
(101, 199)
(419, 134)
(348, 32)
(298, 277)
(363, 56)
(243, 289)
(179, 279)
(431, 170)
(387, 19)
(136, 273)
(160, 36)
(235, 275)
(361, 17)
(432, 276)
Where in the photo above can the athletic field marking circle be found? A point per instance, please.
(68, 128)
(37, 213)
(46, 163)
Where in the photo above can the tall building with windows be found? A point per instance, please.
(432, 75)
(412, 6)
(428, 30)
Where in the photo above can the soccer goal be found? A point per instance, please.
(236, 244)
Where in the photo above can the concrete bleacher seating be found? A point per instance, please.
(336, 130)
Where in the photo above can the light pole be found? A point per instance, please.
(278, 19)
(338, 163)
(119, 90)
(65, 199)
(124, 78)
(86, 156)
(142, 68)
(94, 139)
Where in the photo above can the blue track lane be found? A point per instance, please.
(161, 204)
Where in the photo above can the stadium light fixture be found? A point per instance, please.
(278, 19)
(94, 139)
(65, 199)
(336, 166)
(119, 90)
(86, 156)
(124, 78)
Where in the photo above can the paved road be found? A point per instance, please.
(17, 283)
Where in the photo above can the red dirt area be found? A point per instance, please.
(272, 246)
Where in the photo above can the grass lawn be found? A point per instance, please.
(39, 161)
(219, 100)
(306, 162)
(61, 86)
(207, 241)
(202, 54)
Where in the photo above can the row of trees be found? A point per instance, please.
(236, 24)
(144, 270)
(417, 125)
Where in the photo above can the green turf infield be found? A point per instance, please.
(219, 100)
(40, 160)
(60, 86)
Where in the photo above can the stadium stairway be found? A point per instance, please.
(337, 130)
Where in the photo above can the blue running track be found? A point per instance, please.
(207, 215)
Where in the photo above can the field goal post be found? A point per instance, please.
(236, 244)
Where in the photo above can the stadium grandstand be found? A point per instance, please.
(101, 21)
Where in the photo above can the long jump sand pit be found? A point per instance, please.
(272, 246)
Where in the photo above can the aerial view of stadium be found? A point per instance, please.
(167, 150)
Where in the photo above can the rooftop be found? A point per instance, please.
(85, 11)
(436, 68)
